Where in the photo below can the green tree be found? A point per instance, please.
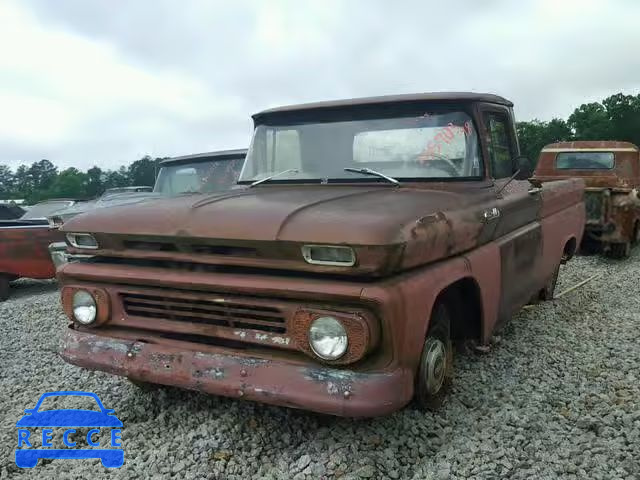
(534, 135)
(43, 174)
(143, 171)
(23, 185)
(116, 178)
(6, 182)
(95, 178)
(624, 116)
(70, 183)
(590, 121)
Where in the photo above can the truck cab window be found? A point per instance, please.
(500, 151)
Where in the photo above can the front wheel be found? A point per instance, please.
(436, 362)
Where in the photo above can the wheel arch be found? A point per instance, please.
(464, 299)
(570, 248)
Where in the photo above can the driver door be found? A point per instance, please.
(517, 231)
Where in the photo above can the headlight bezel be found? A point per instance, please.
(101, 297)
(72, 239)
(362, 327)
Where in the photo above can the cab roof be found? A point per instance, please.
(218, 155)
(391, 99)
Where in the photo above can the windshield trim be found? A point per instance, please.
(368, 179)
(369, 112)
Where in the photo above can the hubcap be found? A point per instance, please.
(435, 365)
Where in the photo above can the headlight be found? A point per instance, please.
(329, 255)
(328, 338)
(84, 307)
(82, 240)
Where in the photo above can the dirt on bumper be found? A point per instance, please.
(316, 388)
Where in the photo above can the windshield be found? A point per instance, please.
(43, 210)
(584, 160)
(199, 177)
(431, 146)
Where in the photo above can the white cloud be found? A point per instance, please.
(108, 81)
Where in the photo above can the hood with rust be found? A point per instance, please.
(389, 227)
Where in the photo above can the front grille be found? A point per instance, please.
(225, 250)
(211, 312)
(594, 204)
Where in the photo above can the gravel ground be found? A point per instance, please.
(558, 397)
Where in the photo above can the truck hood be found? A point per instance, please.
(357, 215)
(390, 228)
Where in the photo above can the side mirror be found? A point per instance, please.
(523, 166)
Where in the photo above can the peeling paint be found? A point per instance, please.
(100, 346)
(216, 373)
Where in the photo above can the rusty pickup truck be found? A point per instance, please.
(611, 171)
(371, 235)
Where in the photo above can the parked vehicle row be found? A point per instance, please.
(32, 245)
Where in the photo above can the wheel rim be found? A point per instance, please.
(435, 365)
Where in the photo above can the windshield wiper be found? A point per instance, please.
(368, 171)
(266, 179)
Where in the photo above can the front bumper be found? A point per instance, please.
(60, 256)
(311, 387)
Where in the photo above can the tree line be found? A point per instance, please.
(615, 118)
(42, 180)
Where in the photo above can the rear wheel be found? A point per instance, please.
(636, 234)
(436, 362)
(620, 250)
(4, 287)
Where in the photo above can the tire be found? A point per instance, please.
(635, 240)
(620, 250)
(548, 292)
(435, 370)
(4, 287)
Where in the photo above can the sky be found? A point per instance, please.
(105, 82)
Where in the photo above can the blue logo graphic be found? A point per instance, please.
(105, 432)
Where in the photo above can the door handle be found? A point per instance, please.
(490, 214)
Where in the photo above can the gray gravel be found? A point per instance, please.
(558, 397)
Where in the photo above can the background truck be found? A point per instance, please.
(185, 175)
(373, 233)
(611, 171)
